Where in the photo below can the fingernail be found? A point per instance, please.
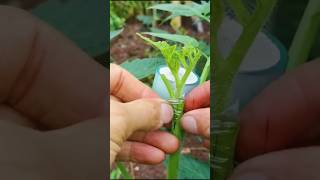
(251, 176)
(166, 113)
(189, 124)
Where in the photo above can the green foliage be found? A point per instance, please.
(188, 171)
(116, 22)
(82, 21)
(142, 68)
(126, 9)
(157, 30)
(193, 9)
(192, 168)
(146, 20)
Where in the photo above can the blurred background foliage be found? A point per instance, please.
(84, 21)
(285, 22)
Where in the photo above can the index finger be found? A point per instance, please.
(125, 86)
(199, 97)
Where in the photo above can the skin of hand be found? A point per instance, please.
(280, 129)
(196, 120)
(53, 104)
(136, 113)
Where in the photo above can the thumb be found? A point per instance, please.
(295, 164)
(138, 115)
(147, 114)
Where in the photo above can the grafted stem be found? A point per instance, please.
(174, 159)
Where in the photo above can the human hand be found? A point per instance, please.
(282, 123)
(136, 113)
(53, 103)
(196, 120)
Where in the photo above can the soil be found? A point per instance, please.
(128, 46)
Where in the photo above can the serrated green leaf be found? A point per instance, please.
(142, 68)
(186, 40)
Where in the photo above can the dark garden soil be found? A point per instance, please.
(128, 46)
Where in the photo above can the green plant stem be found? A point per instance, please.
(205, 72)
(155, 18)
(174, 159)
(305, 36)
(240, 10)
(168, 85)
